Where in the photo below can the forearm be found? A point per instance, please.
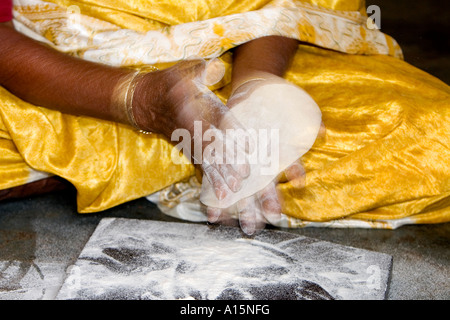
(268, 54)
(43, 76)
(159, 102)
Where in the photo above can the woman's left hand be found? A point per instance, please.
(264, 207)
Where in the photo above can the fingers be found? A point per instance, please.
(256, 211)
(217, 181)
(251, 218)
(270, 204)
(296, 175)
(225, 217)
(214, 72)
(322, 130)
(232, 178)
(252, 213)
(213, 214)
(246, 214)
(200, 70)
(218, 165)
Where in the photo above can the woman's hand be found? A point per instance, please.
(184, 106)
(252, 214)
(265, 206)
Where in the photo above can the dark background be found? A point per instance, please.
(422, 28)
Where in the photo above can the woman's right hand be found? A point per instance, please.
(184, 104)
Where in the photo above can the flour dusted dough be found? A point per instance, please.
(287, 110)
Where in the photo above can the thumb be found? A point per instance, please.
(213, 73)
(204, 72)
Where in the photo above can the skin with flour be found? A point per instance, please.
(283, 122)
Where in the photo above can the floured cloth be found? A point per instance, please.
(127, 259)
(386, 153)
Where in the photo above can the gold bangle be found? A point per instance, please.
(123, 97)
(128, 99)
(244, 82)
(129, 96)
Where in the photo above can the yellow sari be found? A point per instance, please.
(385, 161)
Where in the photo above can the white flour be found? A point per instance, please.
(30, 281)
(128, 259)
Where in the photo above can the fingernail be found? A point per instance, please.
(233, 183)
(244, 170)
(248, 227)
(212, 219)
(221, 194)
(215, 71)
(213, 215)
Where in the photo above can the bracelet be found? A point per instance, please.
(244, 82)
(128, 99)
(123, 97)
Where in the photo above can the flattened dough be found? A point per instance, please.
(271, 109)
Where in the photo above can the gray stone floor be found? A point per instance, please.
(46, 233)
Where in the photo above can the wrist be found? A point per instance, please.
(120, 100)
(249, 77)
(148, 101)
(133, 99)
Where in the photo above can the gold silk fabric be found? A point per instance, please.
(385, 159)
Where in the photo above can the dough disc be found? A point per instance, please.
(284, 122)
